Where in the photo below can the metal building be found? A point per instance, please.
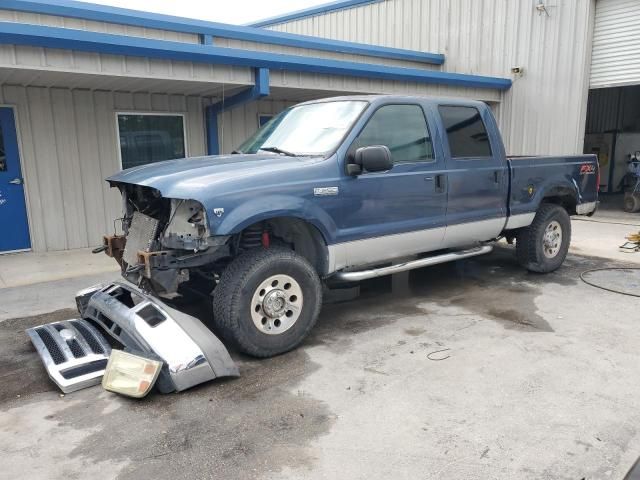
(86, 90)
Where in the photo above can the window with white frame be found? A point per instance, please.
(148, 138)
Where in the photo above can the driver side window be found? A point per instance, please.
(401, 128)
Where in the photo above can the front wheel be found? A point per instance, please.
(542, 246)
(267, 301)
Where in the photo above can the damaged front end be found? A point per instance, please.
(164, 241)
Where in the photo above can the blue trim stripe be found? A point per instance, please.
(65, 38)
(311, 11)
(259, 90)
(101, 13)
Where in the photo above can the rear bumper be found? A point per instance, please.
(586, 208)
(191, 353)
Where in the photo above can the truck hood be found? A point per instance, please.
(185, 178)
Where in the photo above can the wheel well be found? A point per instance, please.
(565, 197)
(303, 237)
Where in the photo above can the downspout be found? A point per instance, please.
(259, 90)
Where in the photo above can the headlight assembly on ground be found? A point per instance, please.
(129, 374)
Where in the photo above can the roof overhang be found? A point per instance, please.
(82, 40)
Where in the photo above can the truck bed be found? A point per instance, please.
(570, 177)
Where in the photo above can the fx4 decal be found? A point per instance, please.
(587, 169)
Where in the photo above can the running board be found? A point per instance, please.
(403, 267)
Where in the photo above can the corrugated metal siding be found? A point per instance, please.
(338, 85)
(603, 110)
(266, 47)
(24, 57)
(614, 109)
(616, 44)
(68, 145)
(140, 70)
(545, 110)
(101, 27)
(236, 125)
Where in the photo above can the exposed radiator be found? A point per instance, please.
(142, 233)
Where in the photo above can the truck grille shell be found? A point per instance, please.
(74, 353)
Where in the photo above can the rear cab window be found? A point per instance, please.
(466, 132)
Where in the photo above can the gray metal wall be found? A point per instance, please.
(545, 110)
(68, 145)
(138, 71)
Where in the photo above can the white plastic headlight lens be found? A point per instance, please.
(130, 374)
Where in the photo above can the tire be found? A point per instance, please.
(538, 248)
(267, 301)
(631, 203)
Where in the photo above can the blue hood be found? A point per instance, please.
(187, 178)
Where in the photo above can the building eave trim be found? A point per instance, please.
(310, 12)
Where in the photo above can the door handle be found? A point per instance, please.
(428, 179)
(16, 181)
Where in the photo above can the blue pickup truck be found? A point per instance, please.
(340, 190)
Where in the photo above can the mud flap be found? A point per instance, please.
(140, 322)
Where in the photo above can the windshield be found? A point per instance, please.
(311, 129)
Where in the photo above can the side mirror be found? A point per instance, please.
(375, 158)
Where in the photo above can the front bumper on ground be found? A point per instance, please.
(75, 352)
(140, 322)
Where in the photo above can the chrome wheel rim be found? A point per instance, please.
(276, 304)
(552, 239)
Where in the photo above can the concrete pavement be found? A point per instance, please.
(472, 370)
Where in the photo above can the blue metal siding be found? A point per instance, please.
(101, 13)
(53, 37)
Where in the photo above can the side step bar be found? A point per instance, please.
(403, 267)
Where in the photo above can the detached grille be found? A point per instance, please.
(88, 335)
(74, 353)
(52, 346)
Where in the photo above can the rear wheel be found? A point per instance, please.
(631, 203)
(543, 246)
(267, 301)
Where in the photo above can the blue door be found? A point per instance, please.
(13, 210)
(477, 178)
(402, 211)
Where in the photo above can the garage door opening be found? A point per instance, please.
(613, 133)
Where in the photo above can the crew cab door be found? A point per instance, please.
(401, 211)
(477, 175)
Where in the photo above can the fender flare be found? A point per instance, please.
(272, 206)
(565, 188)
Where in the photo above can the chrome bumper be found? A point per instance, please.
(191, 353)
